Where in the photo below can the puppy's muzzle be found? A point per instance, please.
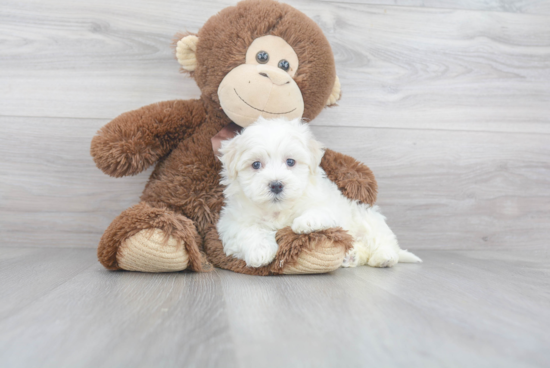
(276, 187)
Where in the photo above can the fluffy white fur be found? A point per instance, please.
(308, 202)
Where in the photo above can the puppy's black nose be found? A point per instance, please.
(276, 187)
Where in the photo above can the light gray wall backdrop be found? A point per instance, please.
(447, 101)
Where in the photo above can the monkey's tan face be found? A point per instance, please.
(263, 86)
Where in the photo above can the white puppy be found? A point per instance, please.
(273, 180)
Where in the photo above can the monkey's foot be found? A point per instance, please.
(318, 252)
(325, 257)
(151, 239)
(149, 251)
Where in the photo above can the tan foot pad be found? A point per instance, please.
(324, 258)
(148, 252)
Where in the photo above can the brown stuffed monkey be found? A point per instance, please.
(258, 58)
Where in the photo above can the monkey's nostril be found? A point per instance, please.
(264, 75)
(276, 187)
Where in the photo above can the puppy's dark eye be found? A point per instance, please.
(262, 57)
(256, 165)
(290, 162)
(283, 64)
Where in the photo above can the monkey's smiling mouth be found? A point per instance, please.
(255, 108)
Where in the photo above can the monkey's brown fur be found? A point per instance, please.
(183, 197)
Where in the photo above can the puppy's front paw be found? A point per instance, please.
(383, 258)
(351, 259)
(262, 253)
(312, 221)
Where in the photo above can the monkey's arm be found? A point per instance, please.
(137, 139)
(354, 179)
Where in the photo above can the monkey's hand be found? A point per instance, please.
(354, 179)
(137, 139)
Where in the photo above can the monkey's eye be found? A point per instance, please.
(290, 162)
(283, 64)
(256, 165)
(262, 57)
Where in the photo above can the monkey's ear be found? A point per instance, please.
(185, 52)
(335, 94)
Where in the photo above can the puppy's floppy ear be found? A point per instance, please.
(230, 155)
(317, 151)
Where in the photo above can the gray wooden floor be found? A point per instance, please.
(447, 101)
(60, 308)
